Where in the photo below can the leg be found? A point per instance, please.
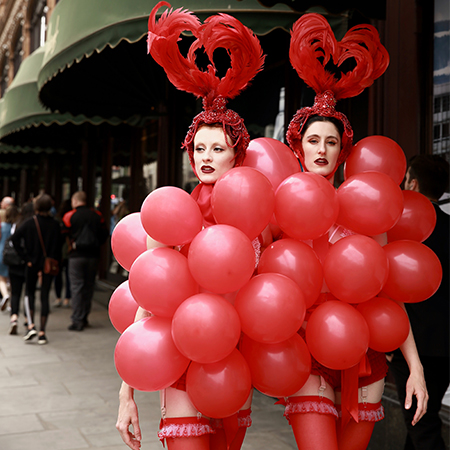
(182, 426)
(76, 271)
(58, 288)
(312, 415)
(45, 307)
(219, 441)
(30, 291)
(356, 436)
(4, 291)
(88, 292)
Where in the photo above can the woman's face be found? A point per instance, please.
(212, 156)
(321, 144)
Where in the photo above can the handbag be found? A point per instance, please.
(51, 265)
(10, 255)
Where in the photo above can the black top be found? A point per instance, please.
(27, 234)
(430, 318)
(73, 223)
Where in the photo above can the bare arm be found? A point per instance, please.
(128, 411)
(416, 382)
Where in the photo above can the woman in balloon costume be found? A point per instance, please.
(329, 258)
(337, 409)
(216, 142)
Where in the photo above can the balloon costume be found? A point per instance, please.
(218, 327)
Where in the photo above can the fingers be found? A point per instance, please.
(422, 401)
(134, 442)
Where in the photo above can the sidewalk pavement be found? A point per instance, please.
(64, 395)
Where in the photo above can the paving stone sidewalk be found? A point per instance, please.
(63, 395)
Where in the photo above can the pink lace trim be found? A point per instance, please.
(371, 415)
(184, 430)
(245, 421)
(310, 407)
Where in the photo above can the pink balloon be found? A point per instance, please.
(271, 308)
(128, 240)
(278, 370)
(244, 198)
(306, 206)
(355, 269)
(146, 357)
(160, 281)
(272, 158)
(206, 328)
(388, 323)
(370, 203)
(337, 335)
(171, 216)
(415, 271)
(122, 307)
(378, 153)
(299, 262)
(417, 221)
(219, 389)
(221, 259)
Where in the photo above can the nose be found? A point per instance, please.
(322, 148)
(207, 157)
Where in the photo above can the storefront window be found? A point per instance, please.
(441, 117)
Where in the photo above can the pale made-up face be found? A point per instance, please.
(321, 144)
(212, 155)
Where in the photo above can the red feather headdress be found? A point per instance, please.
(313, 46)
(219, 31)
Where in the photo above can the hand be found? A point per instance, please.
(128, 415)
(416, 386)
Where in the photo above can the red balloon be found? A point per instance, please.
(128, 240)
(122, 307)
(171, 216)
(206, 328)
(417, 221)
(415, 271)
(370, 203)
(355, 269)
(278, 370)
(272, 158)
(160, 281)
(378, 153)
(221, 259)
(244, 198)
(306, 206)
(146, 357)
(337, 335)
(388, 323)
(299, 262)
(271, 308)
(219, 389)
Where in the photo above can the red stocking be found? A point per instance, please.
(313, 421)
(356, 436)
(218, 440)
(185, 433)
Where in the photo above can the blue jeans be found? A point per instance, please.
(82, 274)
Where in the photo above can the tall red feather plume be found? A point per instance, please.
(313, 46)
(220, 31)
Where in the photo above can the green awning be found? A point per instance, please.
(21, 109)
(95, 60)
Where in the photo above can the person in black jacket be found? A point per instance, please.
(430, 320)
(87, 230)
(32, 253)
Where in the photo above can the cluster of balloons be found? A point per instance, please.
(231, 322)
